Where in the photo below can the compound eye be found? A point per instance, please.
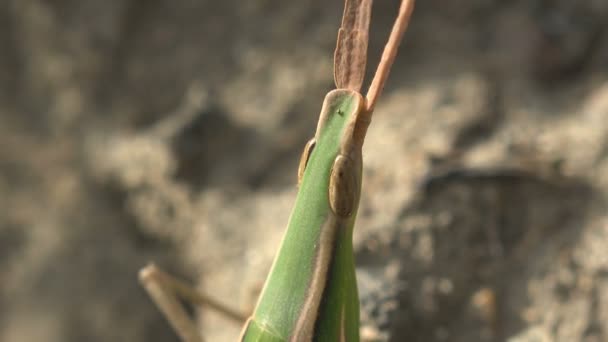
(343, 187)
(310, 145)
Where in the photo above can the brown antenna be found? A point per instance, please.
(350, 56)
(389, 53)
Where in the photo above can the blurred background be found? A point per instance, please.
(170, 131)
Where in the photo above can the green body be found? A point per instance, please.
(311, 292)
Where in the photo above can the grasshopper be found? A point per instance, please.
(311, 291)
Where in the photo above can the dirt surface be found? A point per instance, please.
(170, 131)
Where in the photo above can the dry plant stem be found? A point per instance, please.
(164, 289)
(389, 53)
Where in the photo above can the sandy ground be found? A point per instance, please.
(170, 131)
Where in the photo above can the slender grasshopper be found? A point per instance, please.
(311, 291)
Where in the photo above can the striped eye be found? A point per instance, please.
(343, 187)
(310, 145)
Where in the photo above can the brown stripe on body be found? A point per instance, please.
(342, 325)
(305, 325)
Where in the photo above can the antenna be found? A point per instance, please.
(389, 53)
(350, 56)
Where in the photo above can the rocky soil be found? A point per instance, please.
(170, 131)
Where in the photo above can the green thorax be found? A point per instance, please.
(289, 282)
